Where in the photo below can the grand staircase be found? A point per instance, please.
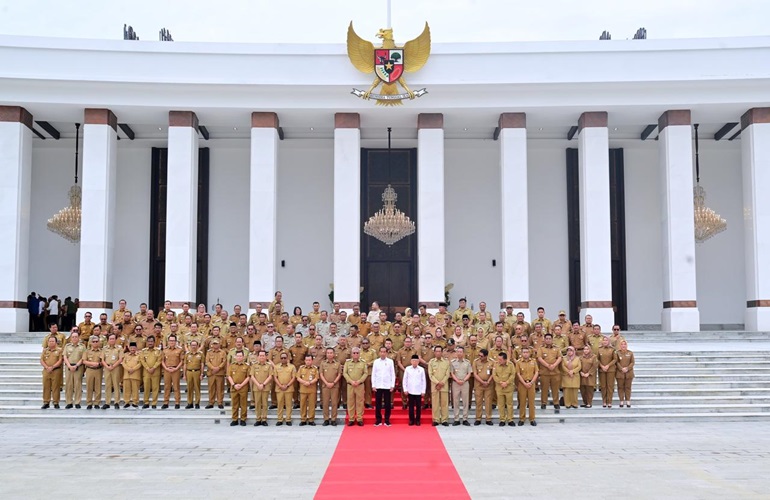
(722, 375)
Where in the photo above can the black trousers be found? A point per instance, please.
(382, 397)
(414, 408)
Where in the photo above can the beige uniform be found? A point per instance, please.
(504, 375)
(53, 359)
(462, 370)
(307, 393)
(330, 371)
(151, 371)
(438, 372)
(284, 375)
(132, 377)
(111, 358)
(527, 372)
(482, 373)
(193, 373)
(73, 386)
(261, 373)
(355, 371)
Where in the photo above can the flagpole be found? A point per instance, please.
(388, 25)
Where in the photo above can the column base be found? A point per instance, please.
(603, 316)
(680, 319)
(14, 320)
(757, 319)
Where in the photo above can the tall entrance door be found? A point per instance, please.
(389, 273)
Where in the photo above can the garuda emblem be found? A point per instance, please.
(388, 63)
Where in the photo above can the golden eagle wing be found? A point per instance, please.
(416, 51)
(360, 51)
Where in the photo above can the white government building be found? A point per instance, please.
(554, 174)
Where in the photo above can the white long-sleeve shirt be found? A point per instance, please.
(414, 380)
(383, 374)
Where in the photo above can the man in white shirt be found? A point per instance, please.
(383, 380)
(414, 387)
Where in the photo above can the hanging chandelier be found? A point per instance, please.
(66, 223)
(389, 224)
(707, 222)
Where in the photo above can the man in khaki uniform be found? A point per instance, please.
(73, 355)
(355, 372)
(368, 355)
(307, 375)
(577, 337)
(527, 372)
(261, 378)
(563, 322)
(86, 328)
(403, 360)
(132, 376)
(483, 367)
(376, 338)
(150, 357)
(461, 373)
(607, 359)
(542, 320)
(341, 354)
(595, 339)
(549, 357)
(172, 362)
(274, 355)
(238, 376)
(438, 372)
(285, 374)
(193, 375)
(216, 367)
(503, 375)
(51, 360)
(330, 372)
(92, 359)
(137, 337)
(56, 334)
(112, 357)
(117, 316)
(560, 340)
(298, 352)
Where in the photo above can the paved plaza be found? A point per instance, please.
(89, 459)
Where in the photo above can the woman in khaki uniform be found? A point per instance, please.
(570, 378)
(625, 374)
(588, 365)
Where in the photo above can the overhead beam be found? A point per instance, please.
(735, 135)
(38, 133)
(572, 131)
(204, 132)
(647, 131)
(727, 127)
(280, 133)
(127, 130)
(496, 134)
(50, 129)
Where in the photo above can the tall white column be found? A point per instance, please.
(755, 160)
(431, 276)
(595, 256)
(97, 232)
(182, 208)
(680, 310)
(262, 209)
(515, 228)
(347, 209)
(15, 192)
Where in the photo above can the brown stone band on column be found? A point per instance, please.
(94, 304)
(16, 114)
(264, 119)
(675, 304)
(264, 304)
(515, 305)
(430, 305)
(758, 303)
(12, 304)
(512, 120)
(755, 115)
(430, 120)
(592, 119)
(596, 304)
(100, 116)
(177, 304)
(674, 117)
(182, 119)
(347, 120)
(348, 305)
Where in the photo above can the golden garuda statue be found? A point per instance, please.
(388, 63)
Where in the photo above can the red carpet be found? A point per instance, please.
(391, 462)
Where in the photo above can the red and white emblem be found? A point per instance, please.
(389, 64)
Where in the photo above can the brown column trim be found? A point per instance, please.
(182, 119)
(596, 304)
(430, 120)
(430, 305)
(348, 305)
(592, 119)
(755, 115)
(515, 305)
(263, 303)
(177, 304)
(12, 304)
(16, 114)
(264, 119)
(95, 304)
(675, 304)
(758, 303)
(512, 120)
(100, 116)
(347, 120)
(674, 117)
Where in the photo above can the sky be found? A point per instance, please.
(306, 21)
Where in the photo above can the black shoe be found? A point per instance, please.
(243, 423)
(189, 407)
(542, 407)
(89, 407)
(435, 424)
(445, 424)
(45, 406)
(351, 423)
(105, 406)
(77, 407)
(302, 424)
(154, 407)
(511, 424)
(145, 406)
(126, 405)
(257, 423)
(411, 423)
(251, 407)
(477, 422)
(56, 405)
(489, 422)
(455, 423)
(288, 423)
(465, 422)
(197, 407)
(417, 423)
(425, 406)
(233, 423)
(272, 407)
(326, 423)
(502, 424)
(311, 424)
(176, 407)
(278, 423)
(164, 407)
(221, 407)
(264, 423)
(134, 406)
(208, 407)
(521, 422)
(296, 406)
(117, 406)
(68, 407)
(533, 423)
(368, 407)
(360, 423)
(334, 423)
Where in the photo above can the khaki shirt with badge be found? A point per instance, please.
(150, 359)
(308, 374)
(132, 362)
(261, 372)
(284, 374)
(74, 353)
(330, 370)
(484, 369)
(51, 356)
(112, 355)
(355, 371)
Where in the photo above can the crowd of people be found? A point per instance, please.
(275, 360)
(45, 311)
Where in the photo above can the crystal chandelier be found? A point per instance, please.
(707, 222)
(389, 224)
(66, 223)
